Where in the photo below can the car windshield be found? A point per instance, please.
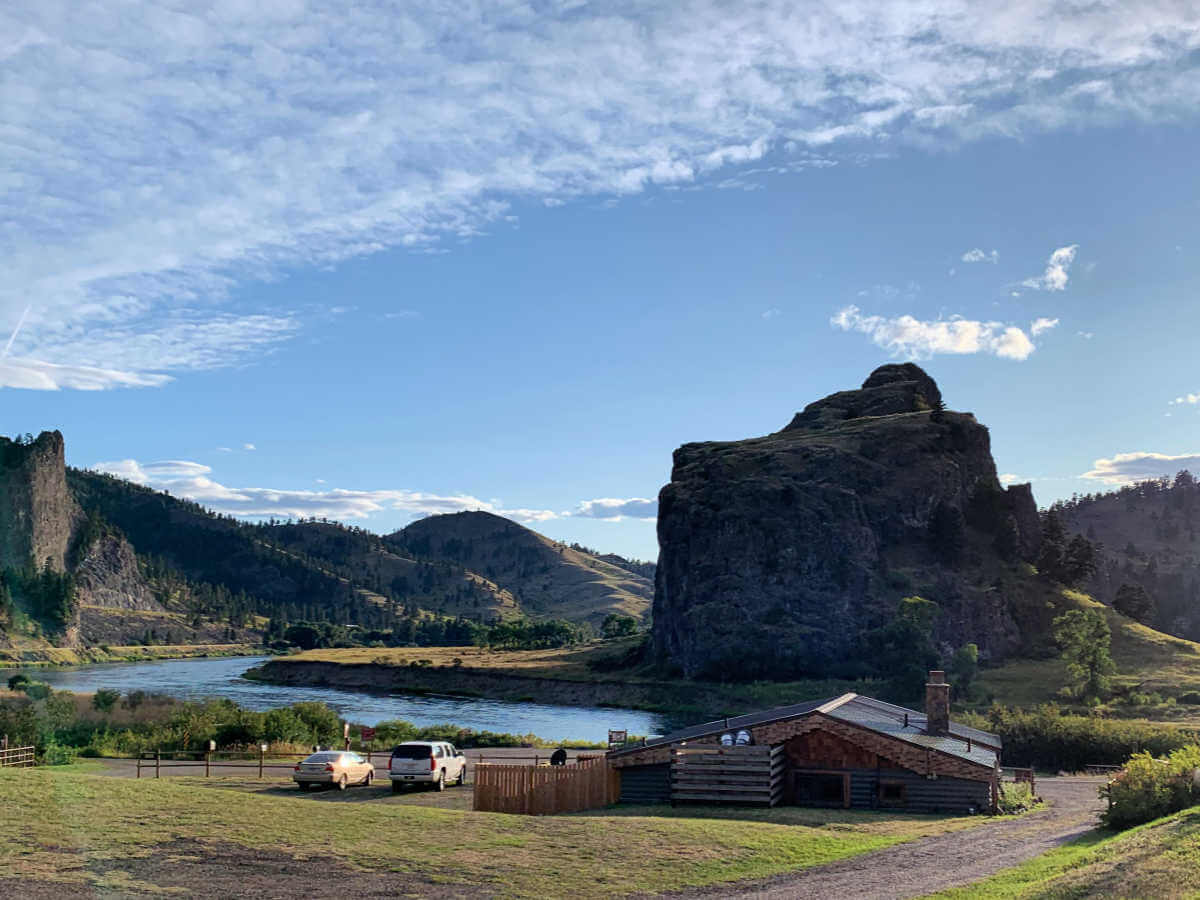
(323, 758)
(412, 751)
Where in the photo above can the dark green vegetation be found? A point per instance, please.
(1149, 787)
(78, 832)
(62, 725)
(1053, 739)
(434, 631)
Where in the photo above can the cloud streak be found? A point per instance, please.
(977, 256)
(192, 480)
(1125, 468)
(158, 155)
(912, 338)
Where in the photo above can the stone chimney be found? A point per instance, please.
(937, 703)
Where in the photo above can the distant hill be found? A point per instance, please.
(1150, 533)
(547, 578)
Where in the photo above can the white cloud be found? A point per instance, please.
(1057, 271)
(1040, 325)
(1190, 399)
(906, 336)
(1009, 478)
(156, 154)
(185, 478)
(772, 313)
(38, 375)
(976, 255)
(249, 447)
(1086, 335)
(613, 509)
(1124, 468)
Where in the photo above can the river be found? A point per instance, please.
(192, 679)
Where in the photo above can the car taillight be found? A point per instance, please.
(432, 764)
(328, 767)
(296, 767)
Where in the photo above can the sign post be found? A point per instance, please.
(617, 738)
(368, 735)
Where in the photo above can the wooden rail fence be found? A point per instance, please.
(17, 757)
(546, 790)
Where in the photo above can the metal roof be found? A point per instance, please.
(865, 712)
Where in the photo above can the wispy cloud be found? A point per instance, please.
(1189, 399)
(912, 338)
(192, 480)
(614, 510)
(979, 256)
(1042, 325)
(772, 313)
(1057, 272)
(1124, 468)
(158, 154)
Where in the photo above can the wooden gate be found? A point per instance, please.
(546, 790)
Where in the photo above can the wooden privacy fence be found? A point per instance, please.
(17, 757)
(546, 790)
(712, 773)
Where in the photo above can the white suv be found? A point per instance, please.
(426, 762)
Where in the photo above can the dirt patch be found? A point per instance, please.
(190, 868)
(936, 863)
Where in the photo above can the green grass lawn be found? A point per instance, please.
(56, 823)
(1159, 859)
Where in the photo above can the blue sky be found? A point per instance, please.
(372, 264)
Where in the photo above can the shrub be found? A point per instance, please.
(1149, 787)
(18, 682)
(1015, 798)
(1048, 739)
(104, 700)
(57, 755)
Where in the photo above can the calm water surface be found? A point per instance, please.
(192, 679)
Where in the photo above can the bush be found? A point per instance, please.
(1149, 788)
(57, 755)
(1015, 798)
(104, 699)
(1048, 739)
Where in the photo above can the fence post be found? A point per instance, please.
(157, 761)
(139, 764)
(262, 755)
(206, 752)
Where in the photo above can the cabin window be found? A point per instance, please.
(892, 793)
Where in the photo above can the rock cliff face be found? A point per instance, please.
(778, 553)
(37, 513)
(41, 523)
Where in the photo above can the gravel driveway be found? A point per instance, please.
(935, 863)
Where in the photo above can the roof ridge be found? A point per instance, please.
(831, 705)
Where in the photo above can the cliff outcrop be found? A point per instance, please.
(38, 516)
(779, 553)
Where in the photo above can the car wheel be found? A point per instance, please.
(397, 787)
(440, 784)
(341, 784)
(370, 777)
(303, 785)
(462, 776)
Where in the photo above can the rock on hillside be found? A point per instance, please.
(548, 579)
(777, 553)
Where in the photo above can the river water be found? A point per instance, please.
(192, 679)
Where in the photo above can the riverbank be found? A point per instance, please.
(67, 656)
(588, 675)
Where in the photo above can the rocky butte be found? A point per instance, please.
(778, 553)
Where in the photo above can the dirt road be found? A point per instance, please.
(936, 863)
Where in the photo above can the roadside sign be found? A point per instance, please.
(617, 737)
(368, 734)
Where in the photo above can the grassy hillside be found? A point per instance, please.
(71, 832)
(1158, 859)
(35, 652)
(1147, 660)
(547, 578)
